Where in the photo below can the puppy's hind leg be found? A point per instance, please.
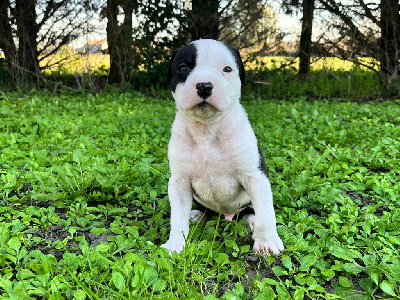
(249, 215)
(250, 218)
(197, 215)
(200, 212)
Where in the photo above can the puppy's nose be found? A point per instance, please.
(204, 89)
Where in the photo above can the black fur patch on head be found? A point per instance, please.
(182, 63)
(239, 62)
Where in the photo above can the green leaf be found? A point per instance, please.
(345, 253)
(268, 281)
(25, 274)
(375, 273)
(299, 294)
(99, 231)
(387, 287)
(14, 243)
(72, 230)
(345, 282)
(77, 156)
(306, 262)
(328, 273)
(118, 280)
(266, 293)
(286, 262)
(279, 271)
(164, 263)
(353, 268)
(103, 247)
(153, 194)
(79, 295)
(367, 284)
(222, 258)
(4, 109)
(84, 246)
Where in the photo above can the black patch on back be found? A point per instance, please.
(185, 56)
(262, 165)
(239, 62)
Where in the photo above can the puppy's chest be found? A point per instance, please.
(210, 158)
(214, 177)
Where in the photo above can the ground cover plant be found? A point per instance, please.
(84, 206)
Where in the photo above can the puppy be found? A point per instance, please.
(213, 153)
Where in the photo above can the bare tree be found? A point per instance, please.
(307, 8)
(305, 38)
(41, 28)
(7, 43)
(27, 32)
(365, 29)
(138, 49)
(114, 74)
(390, 39)
(119, 37)
(249, 24)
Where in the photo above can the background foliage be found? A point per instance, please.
(141, 36)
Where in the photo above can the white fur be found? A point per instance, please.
(213, 153)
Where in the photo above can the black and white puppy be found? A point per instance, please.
(213, 153)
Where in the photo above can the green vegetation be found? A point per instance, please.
(84, 206)
(330, 78)
(74, 64)
(268, 77)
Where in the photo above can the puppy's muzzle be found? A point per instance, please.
(204, 89)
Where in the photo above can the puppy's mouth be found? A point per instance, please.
(204, 111)
(202, 106)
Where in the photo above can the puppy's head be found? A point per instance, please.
(205, 78)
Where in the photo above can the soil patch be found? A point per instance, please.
(362, 201)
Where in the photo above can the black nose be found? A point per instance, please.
(204, 89)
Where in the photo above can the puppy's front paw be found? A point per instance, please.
(174, 244)
(271, 246)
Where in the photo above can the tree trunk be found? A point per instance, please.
(114, 75)
(27, 32)
(204, 19)
(305, 38)
(390, 39)
(6, 38)
(126, 40)
(119, 40)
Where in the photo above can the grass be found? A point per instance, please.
(84, 206)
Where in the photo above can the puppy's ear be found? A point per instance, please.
(238, 58)
(169, 73)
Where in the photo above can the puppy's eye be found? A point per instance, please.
(182, 69)
(227, 69)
